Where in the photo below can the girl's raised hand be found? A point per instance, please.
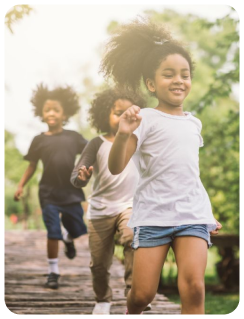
(129, 120)
(85, 173)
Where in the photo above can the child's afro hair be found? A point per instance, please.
(67, 97)
(103, 103)
(135, 51)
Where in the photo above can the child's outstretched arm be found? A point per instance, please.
(83, 170)
(125, 142)
(84, 175)
(25, 178)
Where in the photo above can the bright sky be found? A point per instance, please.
(54, 44)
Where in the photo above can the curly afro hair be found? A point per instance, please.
(103, 103)
(67, 97)
(136, 50)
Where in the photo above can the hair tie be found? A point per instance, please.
(159, 41)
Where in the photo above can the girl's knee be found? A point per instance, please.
(193, 288)
(140, 298)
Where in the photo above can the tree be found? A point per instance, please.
(14, 169)
(15, 14)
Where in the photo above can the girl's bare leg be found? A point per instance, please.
(147, 266)
(191, 259)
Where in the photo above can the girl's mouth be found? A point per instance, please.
(177, 91)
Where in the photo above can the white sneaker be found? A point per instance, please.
(102, 308)
(148, 307)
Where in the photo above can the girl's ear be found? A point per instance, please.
(150, 85)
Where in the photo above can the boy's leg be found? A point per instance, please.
(51, 219)
(191, 259)
(72, 220)
(125, 239)
(50, 214)
(52, 248)
(147, 266)
(101, 244)
(52, 252)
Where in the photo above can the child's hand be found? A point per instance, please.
(129, 120)
(84, 173)
(18, 194)
(216, 231)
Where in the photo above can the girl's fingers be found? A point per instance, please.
(132, 113)
(136, 108)
(138, 117)
(219, 226)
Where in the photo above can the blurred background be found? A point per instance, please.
(63, 44)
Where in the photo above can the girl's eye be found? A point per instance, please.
(168, 75)
(185, 76)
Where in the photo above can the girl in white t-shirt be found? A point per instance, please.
(171, 207)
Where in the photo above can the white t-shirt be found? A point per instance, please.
(170, 192)
(111, 194)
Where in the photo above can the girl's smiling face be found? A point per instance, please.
(53, 114)
(120, 106)
(172, 81)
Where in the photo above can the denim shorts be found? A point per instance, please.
(152, 236)
(71, 218)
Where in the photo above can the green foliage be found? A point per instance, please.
(15, 14)
(14, 169)
(14, 163)
(219, 165)
(11, 207)
(112, 27)
(219, 304)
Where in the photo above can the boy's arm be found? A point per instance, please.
(125, 143)
(25, 178)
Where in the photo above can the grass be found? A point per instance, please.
(32, 223)
(218, 304)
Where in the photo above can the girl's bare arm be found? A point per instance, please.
(125, 141)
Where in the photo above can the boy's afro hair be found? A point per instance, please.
(103, 103)
(67, 97)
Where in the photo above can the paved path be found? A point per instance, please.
(26, 271)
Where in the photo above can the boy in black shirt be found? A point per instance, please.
(57, 148)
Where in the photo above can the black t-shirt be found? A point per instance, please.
(58, 153)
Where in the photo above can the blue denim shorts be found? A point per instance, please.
(152, 236)
(71, 218)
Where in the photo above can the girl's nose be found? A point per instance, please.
(177, 79)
